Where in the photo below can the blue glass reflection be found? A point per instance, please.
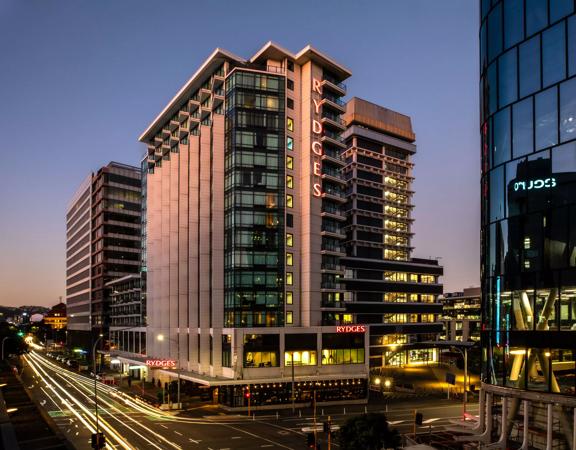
(530, 66)
(553, 55)
(546, 119)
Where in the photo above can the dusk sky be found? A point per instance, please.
(80, 80)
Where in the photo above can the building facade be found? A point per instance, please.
(528, 130)
(103, 243)
(56, 318)
(461, 315)
(243, 235)
(387, 289)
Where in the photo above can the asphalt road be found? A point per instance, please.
(131, 424)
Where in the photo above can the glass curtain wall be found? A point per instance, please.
(254, 200)
(528, 129)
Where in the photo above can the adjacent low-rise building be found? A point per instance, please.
(461, 315)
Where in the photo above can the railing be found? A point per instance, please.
(334, 100)
(330, 285)
(333, 154)
(333, 248)
(331, 172)
(334, 136)
(331, 266)
(327, 304)
(340, 84)
(333, 118)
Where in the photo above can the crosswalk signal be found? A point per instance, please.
(418, 418)
(98, 441)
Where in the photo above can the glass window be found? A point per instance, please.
(508, 74)
(492, 88)
(522, 128)
(289, 259)
(530, 66)
(290, 103)
(289, 240)
(289, 143)
(546, 122)
(483, 59)
(572, 46)
(290, 124)
(564, 158)
(290, 84)
(495, 32)
(560, 8)
(536, 15)
(513, 22)
(289, 181)
(289, 317)
(289, 297)
(501, 150)
(289, 278)
(497, 193)
(568, 110)
(553, 55)
(289, 201)
(289, 162)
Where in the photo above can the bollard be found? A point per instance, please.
(299, 413)
(344, 410)
(254, 416)
(277, 415)
(322, 412)
(386, 407)
(365, 409)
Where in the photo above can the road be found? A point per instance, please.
(128, 423)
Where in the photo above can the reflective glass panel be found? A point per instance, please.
(568, 110)
(523, 129)
(553, 55)
(495, 32)
(536, 15)
(508, 78)
(530, 66)
(546, 119)
(501, 148)
(560, 8)
(513, 22)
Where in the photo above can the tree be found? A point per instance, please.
(368, 431)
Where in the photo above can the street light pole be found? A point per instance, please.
(465, 396)
(95, 379)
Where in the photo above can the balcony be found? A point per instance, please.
(331, 285)
(333, 156)
(333, 121)
(336, 250)
(332, 231)
(333, 305)
(334, 194)
(333, 138)
(335, 103)
(337, 87)
(333, 268)
(331, 211)
(332, 175)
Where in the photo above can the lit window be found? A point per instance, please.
(414, 277)
(289, 278)
(289, 240)
(527, 264)
(290, 124)
(289, 181)
(289, 162)
(289, 297)
(289, 317)
(289, 201)
(526, 243)
(289, 259)
(289, 143)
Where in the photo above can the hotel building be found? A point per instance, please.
(387, 289)
(244, 234)
(103, 243)
(528, 129)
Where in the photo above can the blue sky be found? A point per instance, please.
(81, 80)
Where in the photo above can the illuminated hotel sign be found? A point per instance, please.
(539, 183)
(161, 363)
(351, 329)
(316, 144)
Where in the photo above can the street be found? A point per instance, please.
(128, 423)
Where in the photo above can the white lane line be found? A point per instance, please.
(430, 420)
(178, 433)
(163, 426)
(266, 445)
(236, 437)
(194, 440)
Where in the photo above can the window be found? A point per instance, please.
(289, 162)
(536, 15)
(290, 66)
(560, 8)
(522, 128)
(289, 201)
(572, 46)
(290, 84)
(553, 55)
(492, 88)
(289, 220)
(301, 358)
(290, 124)
(501, 136)
(495, 32)
(568, 110)
(289, 181)
(289, 143)
(289, 259)
(530, 66)
(343, 356)
(513, 22)
(546, 119)
(289, 317)
(507, 84)
(414, 278)
(290, 103)
(289, 278)
(289, 297)
(289, 240)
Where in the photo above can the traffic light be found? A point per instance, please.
(98, 441)
(418, 418)
(21, 333)
(310, 440)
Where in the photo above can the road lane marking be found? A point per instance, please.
(266, 445)
(194, 440)
(163, 426)
(178, 433)
(236, 437)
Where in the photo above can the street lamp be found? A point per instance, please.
(95, 378)
(464, 354)
(160, 338)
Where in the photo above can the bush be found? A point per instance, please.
(368, 431)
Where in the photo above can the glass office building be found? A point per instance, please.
(528, 128)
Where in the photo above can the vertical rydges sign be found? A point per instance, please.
(316, 136)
